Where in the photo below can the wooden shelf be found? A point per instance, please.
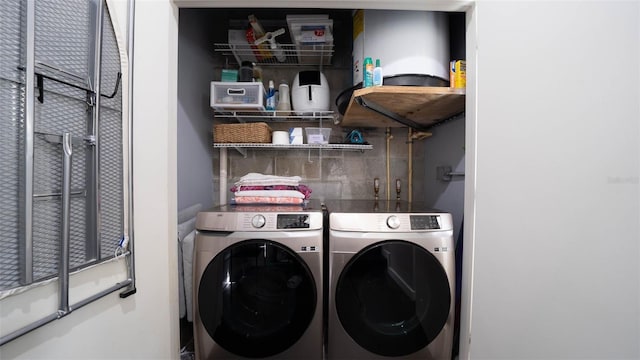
(421, 106)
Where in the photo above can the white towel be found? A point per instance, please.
(187, 251)
(271, 193)
(186, 230)
(257, 179)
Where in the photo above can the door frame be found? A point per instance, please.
(166, 86)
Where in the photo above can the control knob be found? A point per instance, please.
(393, 222)
(258, 221)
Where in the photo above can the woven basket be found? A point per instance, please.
(242, 133)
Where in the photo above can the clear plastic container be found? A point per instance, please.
(237, 95)
(317, 135)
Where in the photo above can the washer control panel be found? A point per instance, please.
(259, 221)
(293, 221)
(424, 222)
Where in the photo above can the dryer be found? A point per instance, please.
(391, 274)
(258, 282)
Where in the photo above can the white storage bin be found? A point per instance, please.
(237, 95)
(313, 37)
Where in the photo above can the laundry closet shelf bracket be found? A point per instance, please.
(390, 114)
(241, 151)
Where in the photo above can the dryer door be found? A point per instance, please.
(393, 298)
(256, 298)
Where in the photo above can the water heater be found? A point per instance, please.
(406, 42)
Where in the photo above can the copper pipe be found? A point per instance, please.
(410, 170)
(389, 137)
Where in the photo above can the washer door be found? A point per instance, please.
(393, 298)
(256, 298)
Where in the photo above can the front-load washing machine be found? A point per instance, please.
(258, 282)
(391, 273)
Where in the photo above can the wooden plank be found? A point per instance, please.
(423, 105)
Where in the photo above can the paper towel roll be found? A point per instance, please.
(280, 138)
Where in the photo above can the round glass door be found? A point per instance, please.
(256, 298)
(393, 298)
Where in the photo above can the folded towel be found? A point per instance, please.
(271, 193)
(267, 200)
(301, 188)
(269, 207)
(261, 179)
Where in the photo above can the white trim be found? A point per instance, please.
(471, 139)
(430, 5)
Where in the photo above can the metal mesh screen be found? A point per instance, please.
(63, 34)
(11, 139)
(110, 68)
(64, 40)
(111, 196)
(111, 182)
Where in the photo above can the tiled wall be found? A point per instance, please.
(336, 174)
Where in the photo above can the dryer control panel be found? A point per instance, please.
(390, 222)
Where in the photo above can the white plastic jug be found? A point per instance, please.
(284, 98)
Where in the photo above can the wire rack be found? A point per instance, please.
(280, 116)
(295, 54)
(295, 147)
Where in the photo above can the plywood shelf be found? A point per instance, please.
(421, 107)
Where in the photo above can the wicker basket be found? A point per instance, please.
(242, 133)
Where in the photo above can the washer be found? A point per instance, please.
(391, 274)
(258, 282)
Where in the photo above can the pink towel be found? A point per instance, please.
(267, 200)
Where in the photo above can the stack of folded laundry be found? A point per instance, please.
(255, 188)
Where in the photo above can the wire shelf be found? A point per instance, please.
(295, 54)
(295, 147)
(280, 116)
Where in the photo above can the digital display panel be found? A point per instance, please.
(293, 221)
(424, 222)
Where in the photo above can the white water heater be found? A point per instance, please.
(406, 42)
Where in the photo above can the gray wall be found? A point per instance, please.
(195, 119)
(445, 148)
(337, 174)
